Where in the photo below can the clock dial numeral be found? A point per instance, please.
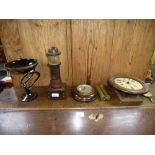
(128, 83)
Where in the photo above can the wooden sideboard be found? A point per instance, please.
(44, 116)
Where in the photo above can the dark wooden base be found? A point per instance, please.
(57, 94)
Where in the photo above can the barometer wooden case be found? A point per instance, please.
(84, 93)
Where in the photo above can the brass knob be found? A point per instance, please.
(96, 116)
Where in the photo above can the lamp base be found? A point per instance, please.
(28, 97)
(57, 94)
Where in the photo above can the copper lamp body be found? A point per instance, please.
(57, 88)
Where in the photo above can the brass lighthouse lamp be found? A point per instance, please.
(57, 89)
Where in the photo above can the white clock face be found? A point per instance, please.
(128, 83)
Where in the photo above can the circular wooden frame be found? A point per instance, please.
(84, 97)
(126, 90)
(85, 93)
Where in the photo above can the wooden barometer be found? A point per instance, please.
(84, 93)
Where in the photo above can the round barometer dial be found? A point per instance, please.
(128, 84)
(84, 93)
(84, 89)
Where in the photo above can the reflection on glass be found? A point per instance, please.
(53, 60)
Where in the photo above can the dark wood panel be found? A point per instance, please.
(115, 121)
(9, 101)
(44, 116)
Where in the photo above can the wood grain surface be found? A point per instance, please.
(31, 39)
(92, 50)
(9, 101)
(109, 47)
(43, 116)
(2, 55)
(76, 122)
